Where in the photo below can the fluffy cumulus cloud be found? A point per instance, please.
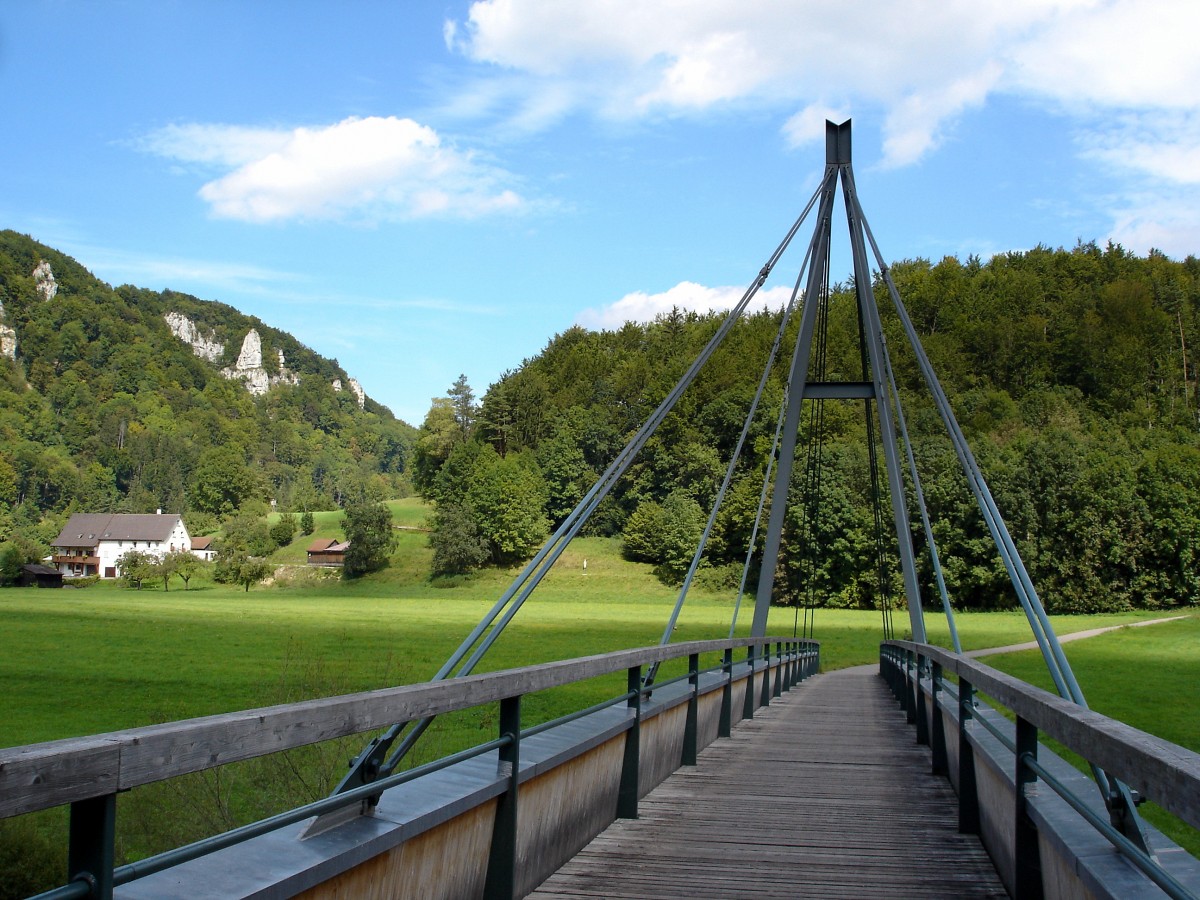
(642, 307)
(365, 169)
(916, 65)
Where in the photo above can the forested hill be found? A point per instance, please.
(1072, 371)
(129, 400)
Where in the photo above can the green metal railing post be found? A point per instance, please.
(766, 685)
(691, 727)
(627, 797)
(1026, 853)
(968, 795)
(91, 852)
(910, 687)
(779, 669)
(748, 704)
(502, 858)
(938, 737)
(922, 706)
(725, 726)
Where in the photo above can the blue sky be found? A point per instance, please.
(422, 189)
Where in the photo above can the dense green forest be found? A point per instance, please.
(1071, 371)
(104, 408)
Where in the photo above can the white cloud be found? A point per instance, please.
(916, 65)
(663, 56)
(642, 307)
(213, 145)
(360, 168)
(807, 127)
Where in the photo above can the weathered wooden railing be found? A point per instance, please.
(456, 819)
(1044, 822)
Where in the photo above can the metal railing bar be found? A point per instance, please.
(133, 871)
(1151, 869)
(575, 716)
(76, 890)
(996, 733)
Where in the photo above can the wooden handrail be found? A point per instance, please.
(1165, 772)
(40, 776)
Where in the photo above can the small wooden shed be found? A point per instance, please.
(42, 576)
(327, 552)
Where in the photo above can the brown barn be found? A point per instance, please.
(327, 552)
(42, 576)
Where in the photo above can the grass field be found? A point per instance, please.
(1145, 677)
(79, 662)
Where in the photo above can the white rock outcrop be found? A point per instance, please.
(206, 346)
(249, 367)
(355, 388)
(43, 281)
(8, 337)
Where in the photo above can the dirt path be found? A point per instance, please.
(1074, 636)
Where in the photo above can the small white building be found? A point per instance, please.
(202, 548)
(91, 543)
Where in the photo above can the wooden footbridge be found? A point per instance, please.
(728, 768)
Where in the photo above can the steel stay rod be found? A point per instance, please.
(920, 494)
(887, 428)
(797, 378)
(734, 457)
(531, 575)
(1040, 626)
(1115, 792)
(762, 502)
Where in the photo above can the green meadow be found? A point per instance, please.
(102, 658)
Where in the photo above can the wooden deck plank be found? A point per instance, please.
(823, 794)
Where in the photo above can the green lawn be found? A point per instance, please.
(1145, 677)
(84, 661)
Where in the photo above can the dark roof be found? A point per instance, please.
(88, 529)
(201, 543)
(39, 569)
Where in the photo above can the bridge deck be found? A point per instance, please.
(810, 799)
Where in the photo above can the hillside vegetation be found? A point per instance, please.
(1072, 372)
(104, 408)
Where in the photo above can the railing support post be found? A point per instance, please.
(691, 727)
(968, 795)
(779, 669)
(92, 839)
(502, 859)
(766, 685)
(627, 797)
(725, 725)
(910, 688)
(937, 739)
(922, 706)
(748, 704)
(1026, 853)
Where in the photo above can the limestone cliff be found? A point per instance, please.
(8, 337)
(249, 367)
(43, 281)
(206, 346)
(355, 388)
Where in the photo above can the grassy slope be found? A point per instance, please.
(1145, 677)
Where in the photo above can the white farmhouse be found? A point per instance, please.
(91, 543)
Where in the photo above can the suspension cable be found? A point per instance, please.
(769, 365)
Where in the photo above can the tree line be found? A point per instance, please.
(1071, 371)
